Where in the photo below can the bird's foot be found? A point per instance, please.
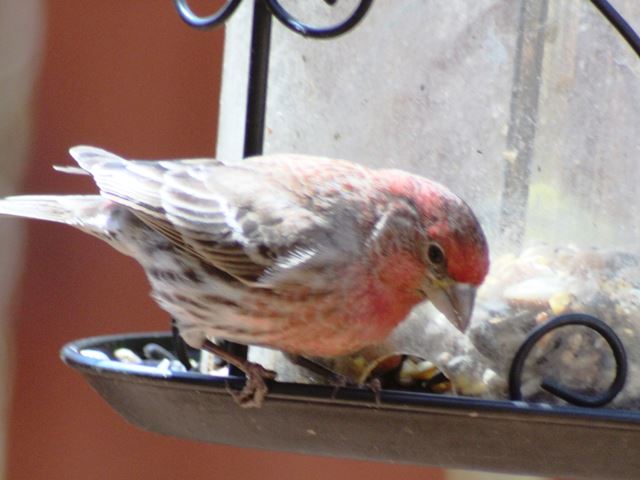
(375, 385)
(255, 388)
(334, 379)
(338, 381)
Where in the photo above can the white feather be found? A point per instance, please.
(70, 170)
(57, 208)
(88, 157)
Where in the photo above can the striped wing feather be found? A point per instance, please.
(231, 217)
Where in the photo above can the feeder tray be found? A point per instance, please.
(407, 427)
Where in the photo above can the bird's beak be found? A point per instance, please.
(454, 300)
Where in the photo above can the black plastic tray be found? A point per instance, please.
(407, 427)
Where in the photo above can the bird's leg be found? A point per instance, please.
(179, 346)
(375, 385)
(335, 379)
(255, 388)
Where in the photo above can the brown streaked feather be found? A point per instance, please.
(234, 218)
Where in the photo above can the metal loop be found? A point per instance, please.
(619, 23)
(212, 20)
(303, 29)
(575, 398)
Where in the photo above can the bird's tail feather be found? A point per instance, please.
(70, 209)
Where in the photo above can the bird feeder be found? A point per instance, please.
(523, 108)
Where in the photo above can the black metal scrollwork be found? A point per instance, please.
(303, 29)
(576, 398)
(278, 11)
(515, 373)
(619, 23)
(209, 21)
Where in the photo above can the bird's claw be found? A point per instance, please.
(255, 388)
(375, 385)
(338, 381)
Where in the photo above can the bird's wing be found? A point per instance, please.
(232, 217)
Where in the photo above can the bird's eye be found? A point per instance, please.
(435, 254)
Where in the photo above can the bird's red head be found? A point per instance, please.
(452, 225)
(454, 249)
(455, 239)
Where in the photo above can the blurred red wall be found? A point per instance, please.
(130, 77)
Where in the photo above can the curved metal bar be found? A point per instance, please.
(212, 20)
(515, 373)
(619, 23)
(303, 29)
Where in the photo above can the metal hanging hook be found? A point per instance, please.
(278, 11)
(619, 23)
(209, 21)
(306, 30)
(575, 398)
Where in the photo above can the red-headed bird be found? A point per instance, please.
(312, 256)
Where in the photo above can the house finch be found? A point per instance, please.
(312, 256)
